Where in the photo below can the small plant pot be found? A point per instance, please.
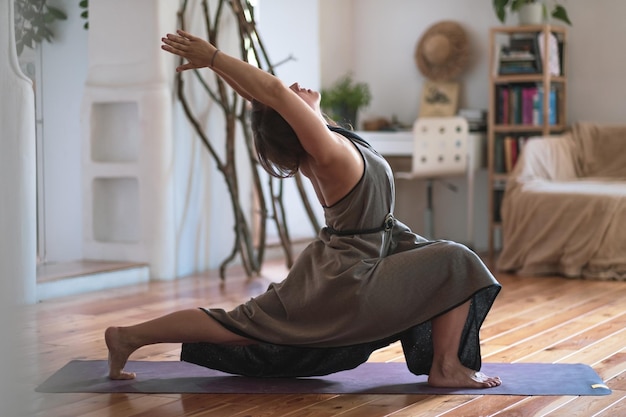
(531, 14)
(346, 116)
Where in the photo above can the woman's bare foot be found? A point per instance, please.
(458, 376)
(119, 351)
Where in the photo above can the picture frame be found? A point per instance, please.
(439, 99)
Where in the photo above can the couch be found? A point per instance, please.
(564, 207)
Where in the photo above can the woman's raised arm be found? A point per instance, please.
(330, 156)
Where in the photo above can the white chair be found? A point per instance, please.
(441, 149)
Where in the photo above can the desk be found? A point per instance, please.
(400, 143)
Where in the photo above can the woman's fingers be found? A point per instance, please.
(184, 34)
(175, 41)
(186, 66)
(172, 50)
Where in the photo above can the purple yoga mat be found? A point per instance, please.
(369, 378)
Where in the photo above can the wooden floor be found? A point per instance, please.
(547, 319)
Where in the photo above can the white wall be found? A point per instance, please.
(64, 69)
(596, 61)
(337, 39)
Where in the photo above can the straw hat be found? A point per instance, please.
(442, 52)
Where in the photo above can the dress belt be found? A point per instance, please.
(386, 227)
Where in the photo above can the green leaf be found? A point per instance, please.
(346, 93)
(84, 14)
(500, 8)
(57, 13)
(560, 13)
(29, 14)
(38, 20)
(49, 18)
(28, 40)
(37, 38)
(47, 33)
(84, 4)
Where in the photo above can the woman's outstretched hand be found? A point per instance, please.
(196, 51)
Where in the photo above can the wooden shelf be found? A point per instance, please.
(527, 128)
(529, 29)
(544, 81)
(527, 78)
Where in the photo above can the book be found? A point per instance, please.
(528, 96)
(510, 153)
(553, 64)
(504, 104)
(552, 106)
(507, 155)
(522, 104)
(476, 119)
(512, 104)
(498, 195)
(498, 153)
(517, 69)
(473, 114)
(521, 56)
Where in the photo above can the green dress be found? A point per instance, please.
(365, 282)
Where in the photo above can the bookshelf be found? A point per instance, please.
(525, 63)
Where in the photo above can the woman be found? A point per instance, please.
(367, 280)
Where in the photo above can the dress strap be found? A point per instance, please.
(351, 135)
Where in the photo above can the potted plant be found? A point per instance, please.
(343, 100)
(524, 8)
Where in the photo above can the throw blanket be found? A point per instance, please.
(564, 210)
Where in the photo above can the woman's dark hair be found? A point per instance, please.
(277, 146)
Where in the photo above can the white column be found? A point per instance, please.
(127, 130)
(18, 250)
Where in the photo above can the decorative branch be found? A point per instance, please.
(235, 111)
(284, 61)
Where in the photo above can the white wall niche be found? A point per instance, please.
(115, 132)
(116, 210)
